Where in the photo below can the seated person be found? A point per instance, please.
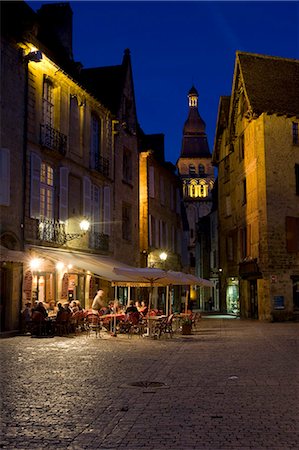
(131, 307)
(52, 310)
(40, 308)
(143, 309)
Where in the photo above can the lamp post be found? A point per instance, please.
(163, 257)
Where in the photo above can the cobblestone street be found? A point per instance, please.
(231, 385)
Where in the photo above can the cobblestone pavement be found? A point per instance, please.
(231, 385)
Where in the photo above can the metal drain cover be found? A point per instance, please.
(146, 384)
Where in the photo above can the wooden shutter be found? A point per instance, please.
(5, 177)
(150, 237)
(86, 197)
(157, 239)
(96, 209)
(107, 217)
(35, 186)
(63, 194)
(292, 234)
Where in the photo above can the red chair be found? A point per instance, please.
(62, 323)
(38, 324)
(93, 323)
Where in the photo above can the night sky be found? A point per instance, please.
(176, 44)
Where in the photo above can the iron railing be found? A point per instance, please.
(53, 139)
(50, 230)
(101, 165)
(99, 241)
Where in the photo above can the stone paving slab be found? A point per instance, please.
(233, 384)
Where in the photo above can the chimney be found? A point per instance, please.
(58, 18)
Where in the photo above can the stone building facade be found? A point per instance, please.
(257, 154)
(61, 166)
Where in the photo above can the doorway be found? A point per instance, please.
(253, 299)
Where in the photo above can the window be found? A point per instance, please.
(297, 178)
(127, 165)
(201, 169)
(292, 234)
(46, 191)
(127, 222)
(74, 126)
(192, 170)
(95, 140)
(295, 133)
(241, 147)
(243, 243)
(48, 102)
(5, 177)
(244, 193)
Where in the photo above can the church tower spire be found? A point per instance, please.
(195, 143)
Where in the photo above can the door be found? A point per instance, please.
(253, 300)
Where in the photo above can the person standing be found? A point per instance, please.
(98, 301)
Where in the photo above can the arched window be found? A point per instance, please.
(192, 170)
(201, 169)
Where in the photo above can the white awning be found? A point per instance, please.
(99, 265)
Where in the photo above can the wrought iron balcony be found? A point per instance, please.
(101, 165)
(50, 230)
(99, 241)
(53, 139)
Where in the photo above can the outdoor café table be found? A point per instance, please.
(108, 319)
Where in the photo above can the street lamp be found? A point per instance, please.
(163, 256)
(84, 227)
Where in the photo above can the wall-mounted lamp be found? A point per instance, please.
(34, 56)
(84, 227)
(35, 264)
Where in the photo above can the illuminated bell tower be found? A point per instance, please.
(195, 170)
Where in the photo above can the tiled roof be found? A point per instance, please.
(271, 83)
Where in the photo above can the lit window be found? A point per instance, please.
(48, 102)
(46, 191)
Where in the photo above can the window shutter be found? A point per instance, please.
(5, 177)
(151, 180)
(161, 242)
(173, 238)
(150, 237)
(35, 186)
(107, 210)
(292, 234)
(157, 240)
(63, 194)
(166, 235)
(86, 197)
(96, 209)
